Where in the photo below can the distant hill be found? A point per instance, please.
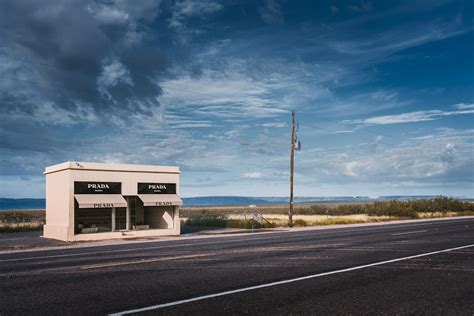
(223, 200)
(19, 204)
(406, 197)
(28, 204)
(22, 204)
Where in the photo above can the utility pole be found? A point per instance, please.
(292, 165)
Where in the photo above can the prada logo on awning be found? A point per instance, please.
(93, 187)
(163, 203)
(103, 205)
(156, 188)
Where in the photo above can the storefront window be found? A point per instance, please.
(93, 220)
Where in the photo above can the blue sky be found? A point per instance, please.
(383, 92)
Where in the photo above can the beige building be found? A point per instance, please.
(94, 201)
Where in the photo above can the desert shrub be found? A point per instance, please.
(206, 219)
(248, 224)
(395, 208)
(301, 210)
(318, 209)
(445, 204)
(300, 222)
(392, 208)
(217, 219)
(340, 210)
(350, 209)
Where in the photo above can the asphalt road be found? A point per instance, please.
(387, 269)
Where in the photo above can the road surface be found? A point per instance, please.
(410, 268)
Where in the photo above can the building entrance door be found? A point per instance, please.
(120, 218)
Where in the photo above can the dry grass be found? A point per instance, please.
(16, 216)
(437, 214)
(21, 221)
(315, 220)
(20, 227)
(279, 219)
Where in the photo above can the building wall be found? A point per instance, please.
(59, 203)
(159, 216)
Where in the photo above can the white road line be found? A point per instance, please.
(407, 233)
(256, 287)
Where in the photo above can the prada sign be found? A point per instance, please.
(93, 187)
(164, 203)
(156, 188)
(104, 205)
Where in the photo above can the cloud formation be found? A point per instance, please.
(192, 8)
(210, 86)
(411, 117)
(252, 175)
(71, 52)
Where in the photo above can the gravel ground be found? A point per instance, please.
(24, 240)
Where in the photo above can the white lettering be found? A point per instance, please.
(98, 186)
(157, 187)
(103, 205)
(164, 203)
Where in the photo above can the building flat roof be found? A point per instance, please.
(79, 165)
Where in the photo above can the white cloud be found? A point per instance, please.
(271, 12)
(108, 15)
(409, 117)
(274, 124)
(447, 155)
(463, 106)
(381, 44)
(113, 73)
(375, 144)
(363, 7)
(449, 152)
(243, 89)
(192, 8)
(349, 168)
(252, 175)
(228, 95)
(144, 9)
